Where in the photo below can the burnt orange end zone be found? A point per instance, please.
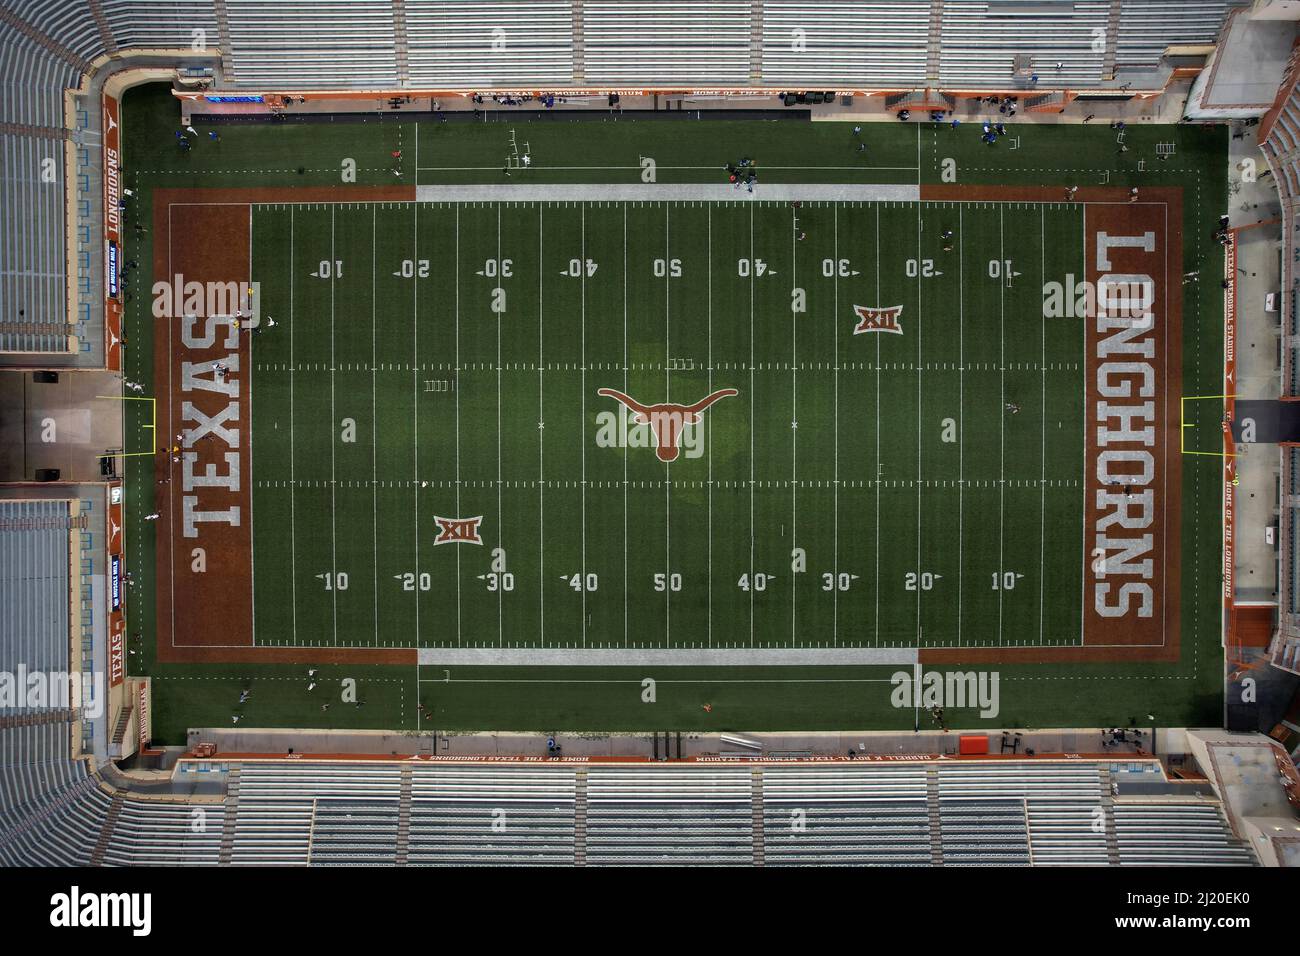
(204, 500)
(1132, 505)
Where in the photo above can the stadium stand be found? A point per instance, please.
(838, 816)
(419, 813)
(48, 46)
(669, 815)
(56, 810)
(1280, 143)
(35, 569)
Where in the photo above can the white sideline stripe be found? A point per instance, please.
(714, 192)
(651, 656)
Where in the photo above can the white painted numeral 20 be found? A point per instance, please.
(925, 579)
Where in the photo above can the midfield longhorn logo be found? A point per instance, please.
(878, 319)
(667, 419)
(458, 530)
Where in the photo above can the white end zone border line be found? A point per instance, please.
(751, 655)
(652, 192)
(647, 656)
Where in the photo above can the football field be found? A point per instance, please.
(541, 449)
(918, 484)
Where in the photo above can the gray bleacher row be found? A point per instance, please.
(33, 269)
(34, 589)
(379, 814)
(360, 43)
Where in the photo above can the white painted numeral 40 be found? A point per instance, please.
(746, 267)
(578, 266)
(578, 583)
(668, 582)
(758, 581)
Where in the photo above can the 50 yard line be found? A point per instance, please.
(668, 501)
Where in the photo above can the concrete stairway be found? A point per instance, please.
(228, 824)
(106, 831)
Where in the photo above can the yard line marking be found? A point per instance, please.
(919, 366)
(835, 563)
(582, 438)
(877, 483)
(668, 503)
(252, 559)
(374, 431)
(541, 437)
(961, 410)
(709, 450)
(1042, 468)
(293, 533)
(1002, 412)
(794, 419)
(456, 315)
(334, 548)
(751, 427)
(625, 450)
(415, 403)
(1083, 474)
(501, 634)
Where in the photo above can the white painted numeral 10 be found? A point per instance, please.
(1005, 581)
(336, 582)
